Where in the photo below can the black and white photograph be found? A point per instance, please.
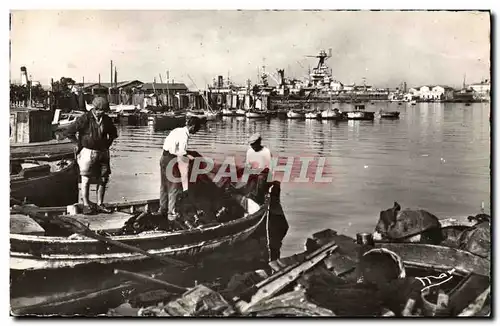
(250, 163)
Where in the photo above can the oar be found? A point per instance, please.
(76, 226)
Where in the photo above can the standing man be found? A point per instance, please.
(258, 158)
(174, 164)
(96, 133)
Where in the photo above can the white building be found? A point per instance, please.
(483, 87)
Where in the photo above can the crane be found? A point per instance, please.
(322, 56)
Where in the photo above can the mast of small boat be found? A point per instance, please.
(168, 91)
(202, 95)
(330, 92)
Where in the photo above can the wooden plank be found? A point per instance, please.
(281, 279)
(472, 286)
(102, 221)
(439, 257)
(22, 224)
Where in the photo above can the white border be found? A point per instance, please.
(190, 4)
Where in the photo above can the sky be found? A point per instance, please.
(385, 47)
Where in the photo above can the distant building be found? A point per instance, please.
(481, 90)
(171, 88)
(442, 93)
(432, 93)
(483, 87)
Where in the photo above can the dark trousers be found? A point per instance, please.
(258, 186)
(169, 190)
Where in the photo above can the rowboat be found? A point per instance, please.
(204, 115)
(47, 150)
(359, 113)
(233, 112)
(333, 115)
(166, 121)
(65, 120)
(97, 287)
(310, 284)
(39, 251)
(388, 114)
(462, 277)
(294, 114)
(37, 181)
(255, 114)
(334, 266)
(313, 115)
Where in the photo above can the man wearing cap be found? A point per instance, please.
(174, 164)
(96, 133)
(258, 159)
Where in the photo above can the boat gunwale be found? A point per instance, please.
(17, 180)
(144, 237)
(168, 250)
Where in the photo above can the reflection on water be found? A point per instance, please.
(435, 157)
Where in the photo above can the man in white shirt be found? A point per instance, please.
(174, 164)
(258, 158)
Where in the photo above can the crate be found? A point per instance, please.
(30, 125)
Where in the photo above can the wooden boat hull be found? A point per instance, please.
(233, 113)
(31, 252)
(295, 115)
(313, 116)
(439, 257)
(165, 122)
(201, 116)
(130, 119)
(91, 290)
(49, 150)
(470, 279)
(389, 115)
(55, 189)
(332, 116)
(255, 115)
(355, 115)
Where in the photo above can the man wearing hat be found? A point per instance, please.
(96, 133)
(174, 164)
(258, 158)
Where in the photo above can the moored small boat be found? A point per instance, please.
(166, 121)
(66, 119)
(388, 114)
(295, 114)
(228, 218)
(44, 183)
(255, 114)
(334, 114)
(359, 113)
(47, 150)
(313, 115)
(233, 112)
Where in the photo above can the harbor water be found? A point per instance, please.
(436, 157)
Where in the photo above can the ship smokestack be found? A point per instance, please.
(329, 52)
(24, 76)
(281, 73)
(220, 81)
